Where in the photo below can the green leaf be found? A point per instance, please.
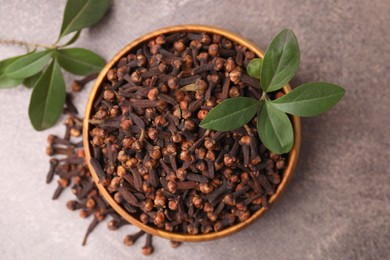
(80, 14)
(281, 61)
(8, 82)
(48, 98)
(231, 114)
(254, 68)
(30, 82)
(275, 129)
(5, 63)
(28, 65)
(80, 61)
(73, 39)
(310, 99)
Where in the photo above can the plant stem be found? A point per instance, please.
(264, 96)
(248, 130)
(27, 44)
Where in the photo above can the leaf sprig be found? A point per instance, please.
(40, 68)
(275, 70)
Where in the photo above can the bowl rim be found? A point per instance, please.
(287, 173)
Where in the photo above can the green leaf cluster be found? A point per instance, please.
(41, 70)
(275, 70)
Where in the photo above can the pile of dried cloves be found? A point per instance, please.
(68, 164)
(152, 156)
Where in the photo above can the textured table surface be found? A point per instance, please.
(337, 204)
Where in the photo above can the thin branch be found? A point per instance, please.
(26, 44)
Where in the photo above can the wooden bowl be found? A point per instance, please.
(292, 157)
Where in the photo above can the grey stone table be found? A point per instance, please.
(337, 204)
